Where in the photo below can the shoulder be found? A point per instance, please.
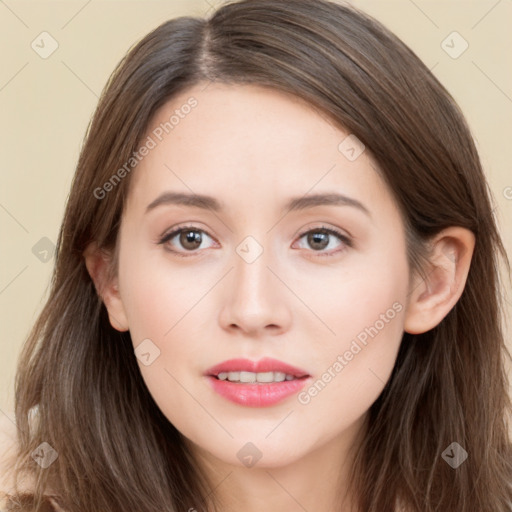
(8, 452)
(8, 446)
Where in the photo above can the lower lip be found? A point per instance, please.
(256, 395)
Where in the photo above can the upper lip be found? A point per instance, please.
(267, 364)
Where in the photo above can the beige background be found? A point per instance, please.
(46, 105)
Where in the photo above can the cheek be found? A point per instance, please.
(157, 294)
(364, 309)
(164, 306)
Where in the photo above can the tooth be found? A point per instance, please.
(247, 377)
(265, 377)
(250, 377)
(234, 375)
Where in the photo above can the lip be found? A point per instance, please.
(267, 364)
(256, 394)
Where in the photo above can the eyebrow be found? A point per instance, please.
(293, 204)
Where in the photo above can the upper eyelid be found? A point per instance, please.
(300, 233)
(174, 231)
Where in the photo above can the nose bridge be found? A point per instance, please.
(251, 276)
(253, 300)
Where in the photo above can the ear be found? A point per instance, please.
(432, 298)
(98, 263)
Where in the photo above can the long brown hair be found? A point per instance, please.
(116, 450)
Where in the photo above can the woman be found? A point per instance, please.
(316, 328)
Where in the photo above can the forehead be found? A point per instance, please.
(240, 140)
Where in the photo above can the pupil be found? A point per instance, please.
(318, 238)
(191, 237)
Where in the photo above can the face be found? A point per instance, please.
(318, 285)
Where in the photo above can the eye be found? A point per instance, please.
(320, 239)
(190, 238)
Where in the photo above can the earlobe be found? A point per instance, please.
(98, 263)
(432, 298)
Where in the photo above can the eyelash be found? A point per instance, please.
(323, 229)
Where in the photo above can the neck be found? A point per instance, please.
(317, 481)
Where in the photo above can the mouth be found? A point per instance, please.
(256, 383)
(244, 377)
(264, 371)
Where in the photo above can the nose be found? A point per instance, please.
(256, 302)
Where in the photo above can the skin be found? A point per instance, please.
(261, 148)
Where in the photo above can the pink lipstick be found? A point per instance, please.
(256, 383)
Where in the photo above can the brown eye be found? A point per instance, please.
(319, 239)
(184, 239)
(190, 239)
